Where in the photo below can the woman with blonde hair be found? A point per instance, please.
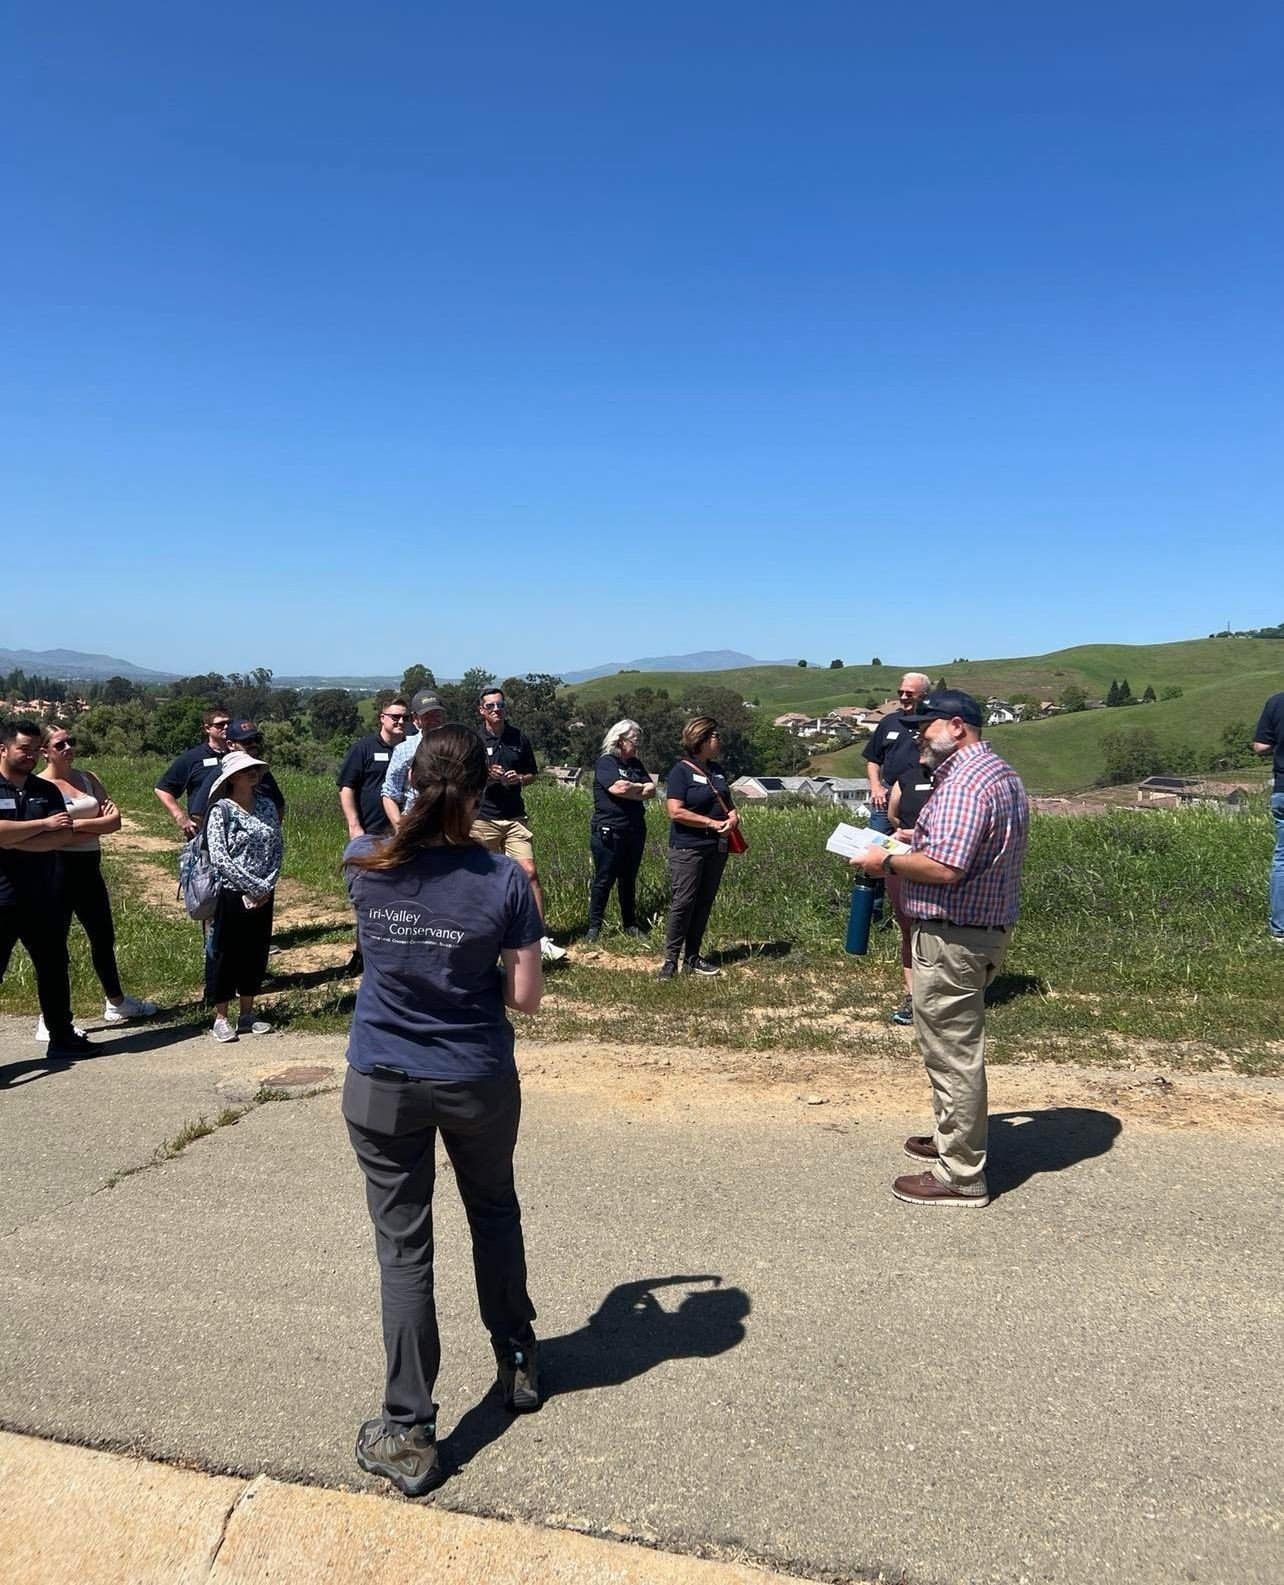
(702, 815)
(431, 1050)
(617, 832)
(82, 892)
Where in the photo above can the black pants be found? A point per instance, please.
(236, 948)
(694, 876)
(393, 1125)
(41, 928)
(617, 857)
(83, 895)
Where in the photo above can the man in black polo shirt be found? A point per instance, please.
(1269, 739)
(501, 820)
(34, 824)
(189, 772)
(893, 748)
(242, 735)
(360, 782)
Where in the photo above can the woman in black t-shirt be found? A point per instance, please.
(910, 791)
(617, 834)
(701, 812)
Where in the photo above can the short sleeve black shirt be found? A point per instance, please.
(893, 748)
(188, 772)
(28, 877)
(620, 814)
(511, 749)
(916, 788)
(363, 771)
(697, 791)
(1270, 730)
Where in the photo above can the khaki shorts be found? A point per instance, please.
(506, 836)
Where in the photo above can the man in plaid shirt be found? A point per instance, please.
(961, 887)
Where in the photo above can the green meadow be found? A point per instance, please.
(1143, 938)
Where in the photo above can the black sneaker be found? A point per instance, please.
(71, 1045)
(356, 964)
(701, 966)
(408, 1458)
(667, 970)
(636, 931)
(592, 933)
(519, 1377)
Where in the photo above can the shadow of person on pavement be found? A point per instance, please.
(628, 1334)
(1049, 1140)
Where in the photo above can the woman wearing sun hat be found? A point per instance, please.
(243, 833)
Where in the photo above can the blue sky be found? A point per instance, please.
(337, 336)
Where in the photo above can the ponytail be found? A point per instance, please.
(449, 774)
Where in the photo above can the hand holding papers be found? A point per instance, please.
(851, 842)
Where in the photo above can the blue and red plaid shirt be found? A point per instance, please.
(978, 821)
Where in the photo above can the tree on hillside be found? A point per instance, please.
(772, 751)
(414, 678)
(208, 686)
(175, 725)
(118, 690)
(1073, 699)
(876, 661)
(541, 711)
(1130, 756)
(1149, 696)
(1125, 693)
(1236, 746)
(1171, 692)
(1027, 703)
(460, 699)
(1112, 695)
(835, 665)
(940, 684)
(802, 663)
(333, 713)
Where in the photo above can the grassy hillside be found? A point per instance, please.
(1222, 680)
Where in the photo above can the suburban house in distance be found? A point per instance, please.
(851, 792)
(1172, 792)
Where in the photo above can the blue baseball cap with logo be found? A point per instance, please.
(945, 705)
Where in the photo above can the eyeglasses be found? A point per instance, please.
(501, 706)
(907, 693)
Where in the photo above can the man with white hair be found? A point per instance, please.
(893, 748)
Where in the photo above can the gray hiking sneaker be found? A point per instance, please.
(519, 1377)
(408, 1457)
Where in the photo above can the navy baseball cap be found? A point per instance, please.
(243, 732)
(944, 706)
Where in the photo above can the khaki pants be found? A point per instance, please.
(952, 965)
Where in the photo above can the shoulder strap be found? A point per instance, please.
(722, 803)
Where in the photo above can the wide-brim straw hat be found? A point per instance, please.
(230, 765)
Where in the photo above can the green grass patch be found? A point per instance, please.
(1143, 926)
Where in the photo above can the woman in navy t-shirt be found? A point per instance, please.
(617, 835)
(431, 1049)
(701, 814)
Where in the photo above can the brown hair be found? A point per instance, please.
(697, 732)
(449, 774)
(215, 709)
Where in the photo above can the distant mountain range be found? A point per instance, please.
(68, 664)
(701, 660)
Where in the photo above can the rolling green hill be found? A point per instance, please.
(1222, 680)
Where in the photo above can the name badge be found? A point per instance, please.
(892, 735)
(8, 803)
(212, 761)
(922, 786)
(703, 780)
(381, 756)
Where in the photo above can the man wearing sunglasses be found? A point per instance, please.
(188, 773)
(244, 736)
(893, 748)
(360, 782)
(501, 819)
(397, 794)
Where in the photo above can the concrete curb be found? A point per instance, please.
(70, 1513)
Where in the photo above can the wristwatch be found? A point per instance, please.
(887, 864)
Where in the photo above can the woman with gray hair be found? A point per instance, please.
(617, 836)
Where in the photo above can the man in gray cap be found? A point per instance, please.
(397, 794)
(961, 886)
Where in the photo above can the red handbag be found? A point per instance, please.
(736, 842)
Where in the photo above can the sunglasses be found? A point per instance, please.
(389, 716)
(67, 742)
(495, 707)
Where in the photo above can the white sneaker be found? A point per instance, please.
(42, 1033)
(549, 949)
(223, 1030)
(131, 1007)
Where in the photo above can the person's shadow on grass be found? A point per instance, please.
(628, 1334)
(1048, 1140)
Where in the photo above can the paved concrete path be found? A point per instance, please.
(752, 1349)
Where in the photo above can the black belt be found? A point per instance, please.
(940, 919)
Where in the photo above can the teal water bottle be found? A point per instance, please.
(864, 895)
